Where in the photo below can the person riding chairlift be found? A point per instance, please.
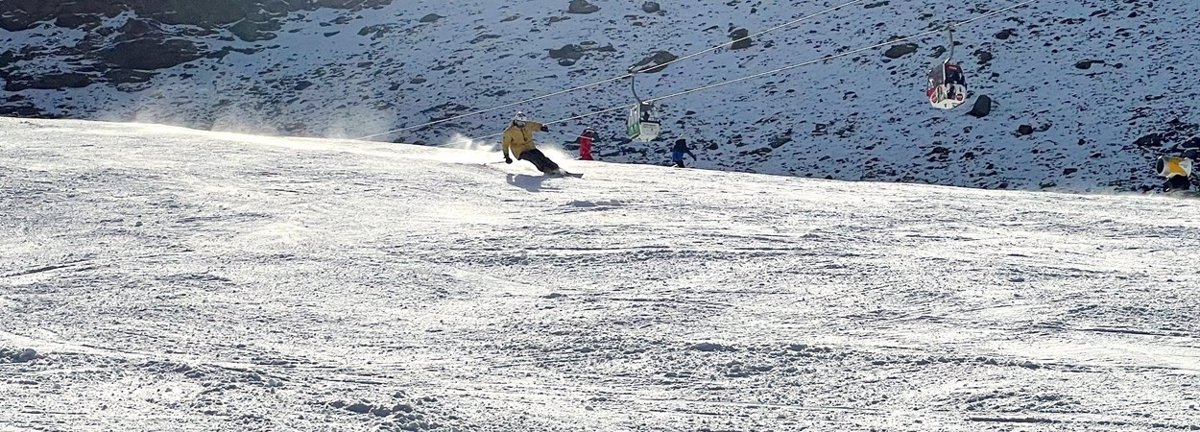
(954, 76)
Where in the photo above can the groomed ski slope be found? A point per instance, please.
(178, 280)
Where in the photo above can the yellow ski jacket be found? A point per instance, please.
(519, 140)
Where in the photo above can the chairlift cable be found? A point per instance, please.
(606, 81)
(777, 70)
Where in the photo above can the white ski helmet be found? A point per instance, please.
(520, 117)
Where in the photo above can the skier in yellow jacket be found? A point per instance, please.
(518, 140)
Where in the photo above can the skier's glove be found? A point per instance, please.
(507, 160)
(545, 129)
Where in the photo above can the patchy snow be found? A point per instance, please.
(1087, 77)
(170, 279)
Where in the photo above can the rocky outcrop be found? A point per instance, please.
(741, 39)
(127, 54)
(582, 7)
(655, 63)
(982, 107)
(149, 54)
(209, 14)
(48, 81)
(901, 50)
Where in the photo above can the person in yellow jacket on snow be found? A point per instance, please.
(518, 141)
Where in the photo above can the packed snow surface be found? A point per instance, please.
(169, 279)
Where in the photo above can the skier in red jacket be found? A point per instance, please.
(585, 144)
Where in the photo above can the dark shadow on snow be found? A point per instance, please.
(528, 182)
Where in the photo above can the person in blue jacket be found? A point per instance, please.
(680, 149)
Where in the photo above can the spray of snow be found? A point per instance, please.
(463, 142)
(556, 153)
(356, 121)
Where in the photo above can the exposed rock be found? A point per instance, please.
(651, 7)
(17, 355)
(1152, 140)
(406, 408)
(248, 31)
(780, 140)
(381, 411)
(483, 37)
(1087, 64)
(983, 56)
(209, 14)
(359, 408)
(982, 107)
(126, 76)
(49, 82)
(1006, 33)
(711, 347)
(741, 39)
(137, 29)
(149, 54)
(568, 51)
(901, 50)
(431, 18)
(26, 355)
(655, 63)
(582, 7)
(1024, 130)
(22, 109)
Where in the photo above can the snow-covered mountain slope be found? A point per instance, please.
(169, 279)
(1088, 92)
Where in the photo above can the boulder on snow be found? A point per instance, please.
(569, 51)
(1024, 130)
(711, 347)
(901, 50)
(26, 355)
(651, 7)
(1152, 140)
(982, 107)
(582, 7)
(359, 408)
(655, 63)
(17, 355)
(983, 56)
(1006, 33)
(741, 39)
(431, 18)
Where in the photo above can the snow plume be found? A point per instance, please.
(463, 142)
(359, 121)
(556, 153)
(483, 151)
(243, 118)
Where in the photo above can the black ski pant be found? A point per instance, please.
(1178, 183)
(539, 160)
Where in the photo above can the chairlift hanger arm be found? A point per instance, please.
(950, 30)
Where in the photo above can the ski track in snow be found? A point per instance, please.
(180, 280)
